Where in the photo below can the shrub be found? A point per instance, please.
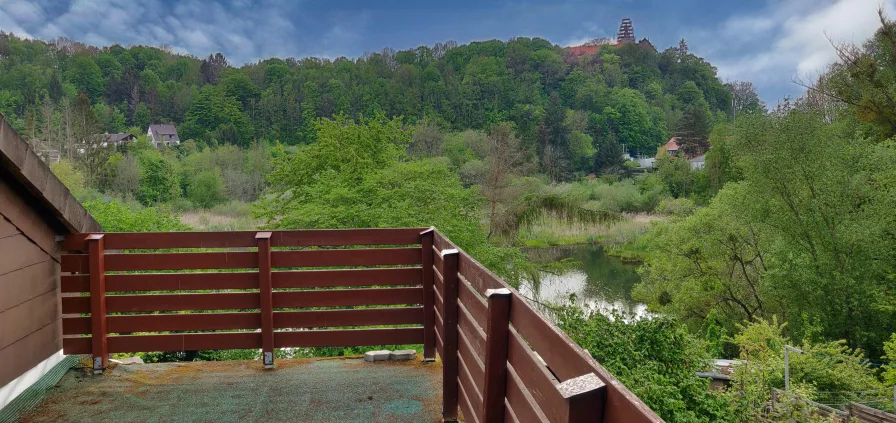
(678, 207)
(206, 189)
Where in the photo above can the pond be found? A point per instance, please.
(600, 281)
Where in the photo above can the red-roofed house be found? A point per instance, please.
(672, 148)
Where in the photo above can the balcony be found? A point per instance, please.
(498, 358)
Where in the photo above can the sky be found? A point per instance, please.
(768, 42)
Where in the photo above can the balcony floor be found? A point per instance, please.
(312, 390)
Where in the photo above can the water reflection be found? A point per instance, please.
(601, 282)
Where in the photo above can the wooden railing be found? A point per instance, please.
(501, 360)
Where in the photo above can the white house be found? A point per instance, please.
(160, 135)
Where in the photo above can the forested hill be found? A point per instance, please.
(627, 95)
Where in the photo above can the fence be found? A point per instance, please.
(501, 360)
(854, 412)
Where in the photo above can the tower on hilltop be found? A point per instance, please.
(626, 32)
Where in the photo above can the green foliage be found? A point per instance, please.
(206, 189)
(158, 179)
(87, 76)
(889, 375)
(116, 216)
(657, 359)
(69, 176)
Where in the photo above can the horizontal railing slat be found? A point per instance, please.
(474, 304)
(238, 239)
(78, 263)
(165, 282)
(474, 362)
(524, 406)
(347, 297)
(474, 333)
(249, 340)
(169, 342)
(348, 338)
(474, 395)
(247, 300)
(557, 350)
(477, 275)
(246, 280)
(466, 406)
(165, 302)
(165, 323)
(356, 317)
(535, 377)
(347, 277)
(232, 321)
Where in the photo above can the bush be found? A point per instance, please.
(70, 177)
(206, 189)
(678, 207)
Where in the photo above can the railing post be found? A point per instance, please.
(497, 332)
(585, 397)
(429, 301)
(265, 290)
(96, 256)
(449, 346)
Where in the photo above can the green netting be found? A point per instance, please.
(306, 390)
(29, 398)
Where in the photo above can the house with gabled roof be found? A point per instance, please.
(163, 135)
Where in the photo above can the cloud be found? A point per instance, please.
(245, 30)
(787, 39)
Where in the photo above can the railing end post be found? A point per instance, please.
(497, 332)
(586, 398)
(265, 292)
(97, 271)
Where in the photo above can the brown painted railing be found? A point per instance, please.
(501, 360)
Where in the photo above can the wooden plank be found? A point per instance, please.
(20, 213)
(537, 380)
(438, 280)
(97, 263)
(265, 292)
(348, 297)
(475, 364)
(353, 257)
(466, 406)
(474, 333)
(509, 414)
(440, 304)
(440, 242)
(236, 239)
(170, 342)
(524, 406)
(145, 282)
(19, 252)
(450, 327)
(348, 338)
(495, 378)
(356, 317)
(559, 352)
(30, 351)
(437, 261)
(439, 344)
(227, 321)
(165, 323)
(26, 318)
(77, 263)
(25, 284)
(165, 302)
(465, 382)
(427, 275)
(347, 277)
(473, 303)
(477, 275)
(7, 228)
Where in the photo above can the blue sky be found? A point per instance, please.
(767, 42)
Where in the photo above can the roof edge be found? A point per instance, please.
(27, 168)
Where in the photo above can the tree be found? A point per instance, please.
(310, 106)
(87, 77)
(426, 140)
(206, 189)
(554, 139)
(746, 99)
(693, 130)
(92, 148)
(504, 162)
(126, 181)
(212, 66)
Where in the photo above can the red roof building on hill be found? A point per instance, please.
(626, 35)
